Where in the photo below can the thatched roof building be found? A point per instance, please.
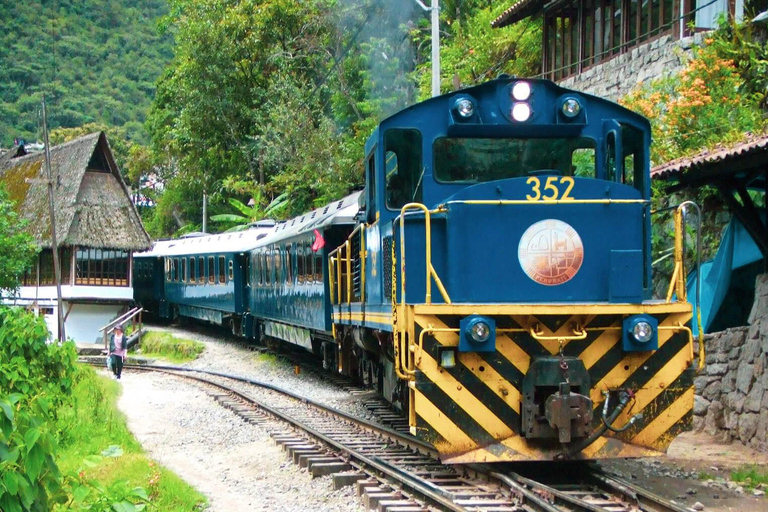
(92, 203)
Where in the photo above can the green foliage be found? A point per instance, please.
(278, 94)
(250, 214)
(17, 248)
(29, 476)
(705, 104)
(35, 380)
(96, 61)
(165, 345)
(103, 462)
(751, 475)
(31, 366)
(473, 51)
(715, 100)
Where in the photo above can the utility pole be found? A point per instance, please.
(435, 10)
(54, 244)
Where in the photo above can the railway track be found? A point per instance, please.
(395, 472)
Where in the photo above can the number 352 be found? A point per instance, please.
(555, 188)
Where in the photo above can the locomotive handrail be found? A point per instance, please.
(430, 270)
(343, 253)
(578, 334)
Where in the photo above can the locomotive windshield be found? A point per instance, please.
(473, 160)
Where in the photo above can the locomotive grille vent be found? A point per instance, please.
(387, 261)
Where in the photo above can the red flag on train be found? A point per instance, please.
(319, 242)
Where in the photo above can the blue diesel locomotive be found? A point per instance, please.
(493, 279)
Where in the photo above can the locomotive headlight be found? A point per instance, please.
(571, 107)
(521, 112)
(465, 107)
(477, 334)
(521, 91)
(642, 331)
(480, 332)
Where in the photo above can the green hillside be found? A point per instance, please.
(97, 62)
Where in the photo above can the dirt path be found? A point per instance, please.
(233, 463)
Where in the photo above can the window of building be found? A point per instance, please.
(46, 269)
(222, 271)
(581, 33)
(211, 270)
(99, 267)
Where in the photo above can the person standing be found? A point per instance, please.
(117, 350)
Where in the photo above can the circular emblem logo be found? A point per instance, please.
(550, 252)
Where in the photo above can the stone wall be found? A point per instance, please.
(731, 402)
(615, 78)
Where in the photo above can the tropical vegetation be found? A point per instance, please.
(97, 62)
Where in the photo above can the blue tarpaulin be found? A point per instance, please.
(737, 249)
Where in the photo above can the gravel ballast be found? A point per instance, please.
(234, 464)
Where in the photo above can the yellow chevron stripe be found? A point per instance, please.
(513, 353)
(656, 385)
(441, 423)
(459, 395)
(504, 345)
(493, 379)
(650, 435)
(633, 361)
(599, 347)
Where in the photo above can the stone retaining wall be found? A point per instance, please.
(731, 402)
(617, 77)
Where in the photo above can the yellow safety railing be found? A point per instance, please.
(677, 283)
(340, 269)
(430, 270)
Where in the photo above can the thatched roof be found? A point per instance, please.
(93, 205)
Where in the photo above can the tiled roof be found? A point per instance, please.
(518, 11)
(753, 144)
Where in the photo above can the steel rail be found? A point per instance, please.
(422, 488)
(406, 439)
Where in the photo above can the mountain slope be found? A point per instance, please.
(97, 62)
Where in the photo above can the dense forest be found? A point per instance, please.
(97, 62)
(273, 99)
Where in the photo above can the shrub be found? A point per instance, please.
(32, 366)
(166, 345)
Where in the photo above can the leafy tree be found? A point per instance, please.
(249, 214)
(473, 51)
(17, 248)
(96, 62)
